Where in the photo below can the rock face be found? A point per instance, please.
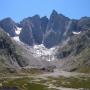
(38, 30)
(55, 29)
(75, 45)
(44, 22)
(43, 30)
(26, 34)
(9, 26)
(32, 29)
(15, 55)
(83, 24)
(76, 53)
(8, 57)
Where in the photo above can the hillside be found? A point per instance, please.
(7, 53)
(76, 53)
(14, 55)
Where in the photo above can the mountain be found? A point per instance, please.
(9, 26)
(42, 30)
(32, 29)
(8, 56)
(41, 42)
(76, 53)
(55, 29)
(15, 55)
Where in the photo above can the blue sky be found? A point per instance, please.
(19, 9)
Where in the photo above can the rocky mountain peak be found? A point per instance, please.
(36, 17)
(42, 30)
(54, 13)
(8, 25)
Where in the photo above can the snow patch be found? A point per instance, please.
(76, 33)
(18, 30)
(43, 52)
(16, 38)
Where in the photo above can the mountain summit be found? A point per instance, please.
(50, 32)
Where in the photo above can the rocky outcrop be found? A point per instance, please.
(44, 30)
(76, 53)
(83, 24)
(26, 34)
(9, 26)
(44, 22)
(32, 29)
(55, 29)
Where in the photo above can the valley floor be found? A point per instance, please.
(57, 80)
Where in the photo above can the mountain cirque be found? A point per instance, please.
(47, 42)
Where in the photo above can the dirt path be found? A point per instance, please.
(58, 73)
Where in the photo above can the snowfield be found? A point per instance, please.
(36, 50)
(76, 33)
(43, 52)
(18, 30)
(16, 38)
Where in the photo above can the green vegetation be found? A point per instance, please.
(72, 82)
(27, 83)
(23, 84)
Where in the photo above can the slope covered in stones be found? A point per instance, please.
(76, 53)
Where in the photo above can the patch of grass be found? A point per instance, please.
(32, 83)
(72, 82)
(31, 71)
(23, 84)
(84, 69)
